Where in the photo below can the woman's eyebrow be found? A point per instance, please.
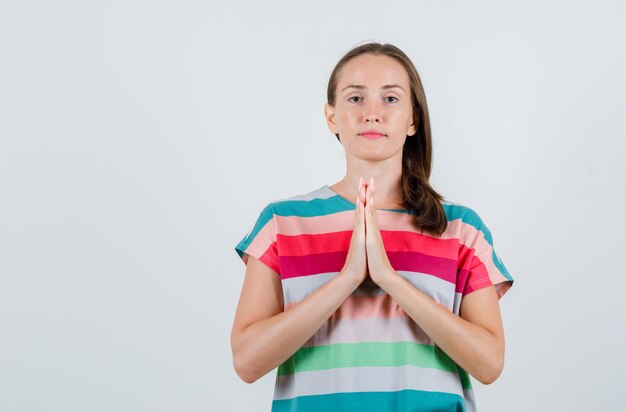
(360, 86)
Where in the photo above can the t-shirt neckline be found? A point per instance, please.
(352, 204)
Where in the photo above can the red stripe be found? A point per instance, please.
(405, 241)
(313, 244)
(298, 266)
(472, 271)
(444, 269)
(394, 241)
(268, 259)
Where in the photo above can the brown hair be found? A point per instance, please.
(419, 197)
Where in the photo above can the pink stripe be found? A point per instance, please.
(476, 266)
(344, 221)
(363, 307)
(264, 247)
(375, 329)
(296, 225)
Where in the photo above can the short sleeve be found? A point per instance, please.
(479, 264)
(260, 241)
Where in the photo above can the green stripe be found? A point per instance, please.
(405, 400)
(466, 383)
(350, 355)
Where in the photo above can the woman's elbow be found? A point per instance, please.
(243, 370)
(241, 365)
(491, 373)
(245, 377)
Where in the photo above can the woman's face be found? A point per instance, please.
(373, 93)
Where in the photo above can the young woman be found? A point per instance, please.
(373, 294)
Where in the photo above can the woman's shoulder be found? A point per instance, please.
(300, 198)
(304, 196)
(321, 192)
(458, 210)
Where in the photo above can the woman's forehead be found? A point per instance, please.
(368, 71)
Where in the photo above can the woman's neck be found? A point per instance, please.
(388, 190)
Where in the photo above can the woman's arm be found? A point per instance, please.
(263, 336)
(474, 340)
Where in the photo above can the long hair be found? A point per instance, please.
(418, 196)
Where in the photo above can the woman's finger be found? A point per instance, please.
(362, 187)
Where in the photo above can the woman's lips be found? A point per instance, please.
(372, 135)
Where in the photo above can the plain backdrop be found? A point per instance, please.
(139, 141)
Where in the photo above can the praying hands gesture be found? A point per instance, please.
(367, 255)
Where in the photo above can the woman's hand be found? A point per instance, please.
(379, 267)
(355, 268)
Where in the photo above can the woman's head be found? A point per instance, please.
(373, 93)
(408, 121)
(417, 96)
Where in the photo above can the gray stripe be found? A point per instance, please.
(366, 379)
(369, 330)
(320, 193)
(457, 302)
(470, 400)
(296, 289)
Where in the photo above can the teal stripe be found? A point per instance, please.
(299, 208)
(311, 207)
(265, 216)
(316, 207)
(469, 216)
(350, 355)
(401, 401)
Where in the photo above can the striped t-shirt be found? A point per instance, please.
(370, 355)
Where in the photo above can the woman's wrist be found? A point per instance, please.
(347, 280)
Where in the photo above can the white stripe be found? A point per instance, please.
(297, 288)
(470, 400)
(367, 379)
(457, 303)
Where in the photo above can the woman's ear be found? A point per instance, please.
(329, 113)
(412, 129)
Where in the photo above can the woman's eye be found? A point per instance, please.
(351, 99)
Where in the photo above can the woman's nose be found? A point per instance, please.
(372, 112)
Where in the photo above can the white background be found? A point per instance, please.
(140, 140)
